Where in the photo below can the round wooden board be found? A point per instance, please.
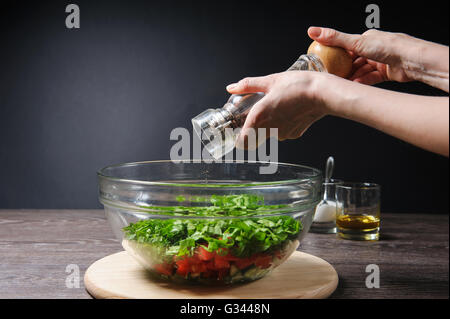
(301, 276)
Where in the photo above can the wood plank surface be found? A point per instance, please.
(36, 246)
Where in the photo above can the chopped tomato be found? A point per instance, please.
(220, 263)
(242, 263)
(214, 264)
(164, 268)
(198, 268)
(210, 265)
(182, 271)
(194, 260)
(182, 262)
(263, 261)
(229, 257)
(203, 254)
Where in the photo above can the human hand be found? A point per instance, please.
(291, 103)
(377, 56)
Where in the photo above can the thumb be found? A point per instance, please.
(335, 38)
(251, 85)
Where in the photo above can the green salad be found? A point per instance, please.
(226, 249)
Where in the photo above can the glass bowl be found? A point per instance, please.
(209, 223)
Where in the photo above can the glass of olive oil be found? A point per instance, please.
(358, 211)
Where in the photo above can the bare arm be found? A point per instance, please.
(295, 100)
(419, 120)
(386, 56)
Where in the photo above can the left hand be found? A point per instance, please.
(378, 56)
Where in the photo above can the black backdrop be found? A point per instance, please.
(73, 101)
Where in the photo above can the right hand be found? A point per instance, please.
(292, 103)
(377, 56)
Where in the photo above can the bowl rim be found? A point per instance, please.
(317, 175)
(289, 210)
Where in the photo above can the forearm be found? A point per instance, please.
(424, 61)
(419, 120)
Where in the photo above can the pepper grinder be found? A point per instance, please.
(216, 127)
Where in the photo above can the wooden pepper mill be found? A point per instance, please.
(336, 61)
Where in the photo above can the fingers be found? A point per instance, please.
(335, 38)
(367, 74)
(370, 78)
(366, 68)
(381, 67)
(251, 138)
(251, 85)
(257, 118)
(359, 62)
(367, 71)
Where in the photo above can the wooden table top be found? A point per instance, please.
(36, 247)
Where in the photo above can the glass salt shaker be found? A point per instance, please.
(216, 128)
(325, 216)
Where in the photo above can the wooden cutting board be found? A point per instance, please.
(301, 276)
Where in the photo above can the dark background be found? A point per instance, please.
(73, 101)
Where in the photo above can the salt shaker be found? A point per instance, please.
(325, 215)
(216, 127)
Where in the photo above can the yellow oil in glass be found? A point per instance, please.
(363, 225)
(358, 222)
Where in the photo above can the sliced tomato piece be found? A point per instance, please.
(182, 272)
(194, 259)
(242, 263)
(230, 257)
(164, 268)
(263, 261)
(204, 255)
(183, 266)
(182, 262)
(198, 268)
(220, 263)
(210, 265)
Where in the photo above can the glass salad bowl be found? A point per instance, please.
(209, 223)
